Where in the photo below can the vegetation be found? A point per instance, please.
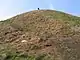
(48, 35)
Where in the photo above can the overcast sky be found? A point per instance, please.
(9, 8)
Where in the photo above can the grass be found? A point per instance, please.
(52, 27)
(17, 56)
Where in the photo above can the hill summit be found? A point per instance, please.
(40, 35)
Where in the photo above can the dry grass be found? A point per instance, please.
(49, 35)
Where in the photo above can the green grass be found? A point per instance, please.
(17, 56)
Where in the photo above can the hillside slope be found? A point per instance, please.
(40, 35)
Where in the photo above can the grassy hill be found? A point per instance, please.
(40, 35)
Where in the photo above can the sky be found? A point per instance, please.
(10, 8)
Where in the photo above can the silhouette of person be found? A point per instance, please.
(38, 9)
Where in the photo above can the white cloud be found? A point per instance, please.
(51, 6)
(5, 17)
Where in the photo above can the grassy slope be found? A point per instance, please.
(50, 35)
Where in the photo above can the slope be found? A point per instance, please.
(40, 35)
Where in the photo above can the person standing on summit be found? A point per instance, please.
(38, 9)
